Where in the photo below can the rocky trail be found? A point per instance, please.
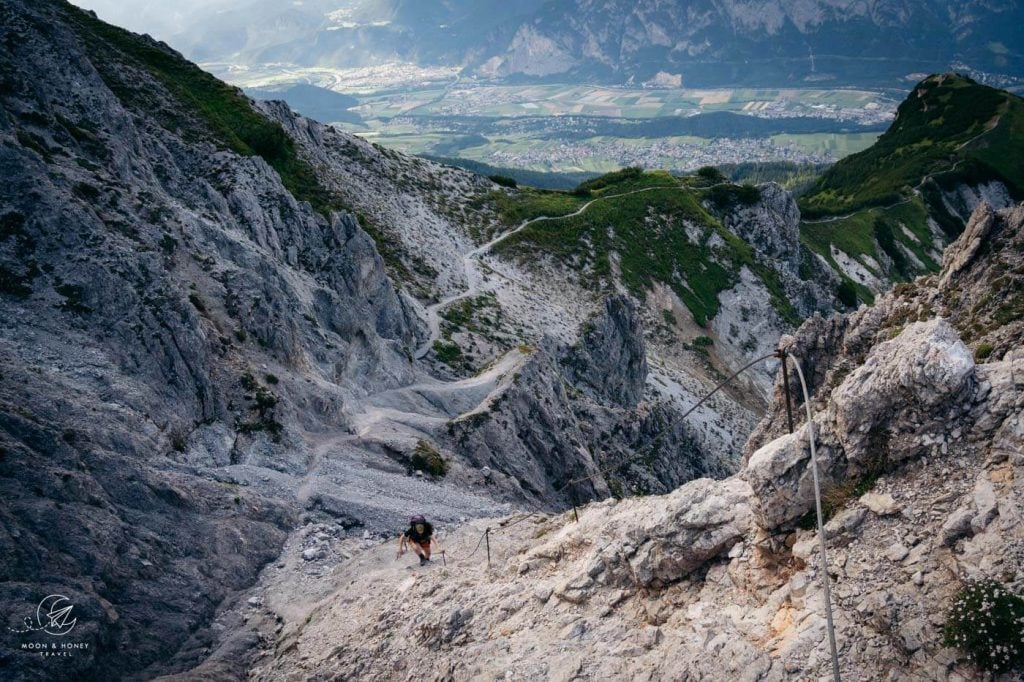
(548, 608)
(476, 280)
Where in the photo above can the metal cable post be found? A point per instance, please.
(821, 525)
(487, 537)
(781, 354)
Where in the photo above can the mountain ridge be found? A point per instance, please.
(714, 42)
(878, 216)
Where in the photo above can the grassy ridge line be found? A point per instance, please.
(647, 232)
(949, 131)
(948, 125)
(224, 114)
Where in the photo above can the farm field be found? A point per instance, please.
(595, 129)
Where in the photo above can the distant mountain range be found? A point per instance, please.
(664, 42)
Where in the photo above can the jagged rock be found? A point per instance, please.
(883, 505)
(782, 480)
(961, 252)
(870, 417)
(984, 503)
(957, 526)
(845, 522)
(914, 634)
(609, 363)
(314, 553)
(922, 371)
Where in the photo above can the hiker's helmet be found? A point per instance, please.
(417, 518)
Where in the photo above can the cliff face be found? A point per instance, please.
(920, 447)
(166, 306)
(566, 428)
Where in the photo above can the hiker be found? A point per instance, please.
(420, 536)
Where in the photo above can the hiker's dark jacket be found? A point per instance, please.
(420, 539)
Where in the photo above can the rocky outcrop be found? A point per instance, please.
(771, 225)
(978, 292)
(921, 382)
(750, 320)
(567, 426)
(609, 363)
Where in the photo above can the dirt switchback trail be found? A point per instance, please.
(475, 279)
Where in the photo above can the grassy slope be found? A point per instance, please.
(931, 127)
(950, 130)
(646, 230)
(207, 108)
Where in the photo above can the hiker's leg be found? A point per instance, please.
(416, 548)
(426, 550)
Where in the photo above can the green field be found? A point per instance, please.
(526, 126)
(618, 102)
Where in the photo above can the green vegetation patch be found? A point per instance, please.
(426, 458)
(655, 229)
(872, 232)
(532, 203)
(726, 197)
(948, 125)
(987, 621)
(480, 314)
(448, 353)
(225, 114)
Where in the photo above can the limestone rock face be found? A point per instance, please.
(610, 362)
(959, 256)
(702, 520)
(907, 387)
(165, 306)
(567, 424)
(771, 225)
(888, 387)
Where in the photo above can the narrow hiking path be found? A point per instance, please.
(916, 189)
(475, 279)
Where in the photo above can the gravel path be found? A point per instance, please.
(475, 278)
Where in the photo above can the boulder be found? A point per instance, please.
(703, 519)
(781, 478)
(958, 525)
(883, 505)
(904, 388)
